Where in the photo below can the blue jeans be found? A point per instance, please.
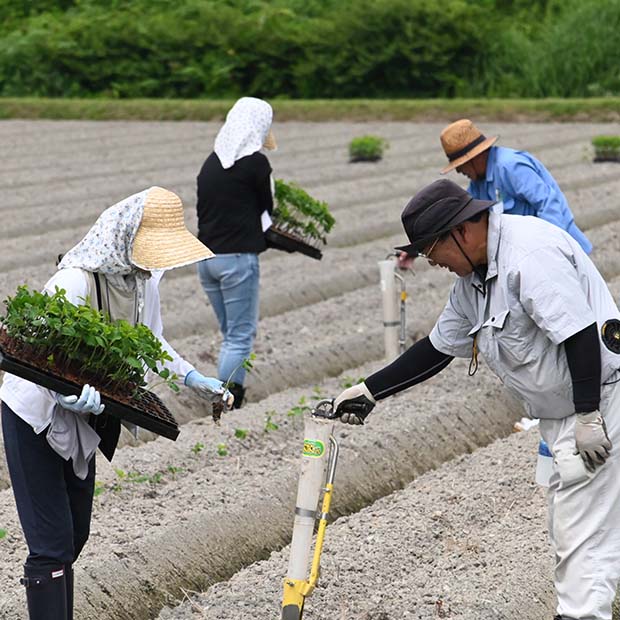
(231, 283)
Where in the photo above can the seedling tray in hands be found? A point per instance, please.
(280, 240)
(147, 412)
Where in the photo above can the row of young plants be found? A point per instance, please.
(78, 341)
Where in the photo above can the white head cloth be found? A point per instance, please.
(107, 246)
(245, 130)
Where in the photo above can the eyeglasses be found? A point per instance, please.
(427, 255)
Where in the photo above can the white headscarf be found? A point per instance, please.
(245, 130)
(107, 246)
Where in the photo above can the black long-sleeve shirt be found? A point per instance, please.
(230, 204)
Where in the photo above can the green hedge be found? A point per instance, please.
(308, 48)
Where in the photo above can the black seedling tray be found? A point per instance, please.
(161, 421)
(280, 240)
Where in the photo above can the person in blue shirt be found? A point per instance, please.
(515, 178)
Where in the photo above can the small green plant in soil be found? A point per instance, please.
(222, 449)
(3, 533)
(347, 382)
(241, 433)
(198, 447)
(99, 488)
(367, 148)
(298, 213)
(81, 343)
(270, 425)
(299, 409)
(606, 148)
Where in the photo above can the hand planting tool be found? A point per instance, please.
(318, 468)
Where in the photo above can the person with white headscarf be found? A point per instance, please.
(235, 190)
(50, 439)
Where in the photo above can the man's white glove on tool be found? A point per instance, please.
(591, 440)
(89, 401)
(209, 388)
(354, 404)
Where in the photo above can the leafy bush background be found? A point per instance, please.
(309, 48)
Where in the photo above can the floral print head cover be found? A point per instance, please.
(247, 124)
(107, 246)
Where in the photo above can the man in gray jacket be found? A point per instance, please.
(531, 302)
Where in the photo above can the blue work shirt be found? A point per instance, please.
(526, 187)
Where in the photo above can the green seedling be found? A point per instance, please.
(270, 425)
(298, 213)
(241, 433)
(299, 409)
(82, 341)
(606, 148)
(317, 393)
(347, 382)
(367, 148)
(222, 450)
(198, 447)
(3, 533)
(175, 470)
(99, 488)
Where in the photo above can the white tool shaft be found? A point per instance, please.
(314, 462)
(391, 308)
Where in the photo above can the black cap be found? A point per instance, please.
(435, 210)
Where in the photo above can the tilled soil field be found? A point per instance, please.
(467, 540)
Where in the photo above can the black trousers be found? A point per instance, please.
(53, 504)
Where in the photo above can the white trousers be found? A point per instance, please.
(584, 517)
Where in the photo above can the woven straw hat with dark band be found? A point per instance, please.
(462, 141)
(163, 241)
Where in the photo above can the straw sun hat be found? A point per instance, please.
(270, 142)
(162, 240)
(462, 141)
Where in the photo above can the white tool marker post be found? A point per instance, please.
(314, 462)
(391, 308)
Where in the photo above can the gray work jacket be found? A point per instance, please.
(540, 289)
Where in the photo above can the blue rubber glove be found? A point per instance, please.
(89, 401)
(209, 388)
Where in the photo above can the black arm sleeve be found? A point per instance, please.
(416, 364)
(583, 352)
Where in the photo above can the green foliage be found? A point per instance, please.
(197, 448)
(99, 488)
(297, 212)
(222, 449)
(347, 382)
(367, 148)
(571, 52)
(80, 339)
(270, 425)
(299, 409)
(606, 143)
(3, 533)
(241, 433)
(197, 48)
(309, 48)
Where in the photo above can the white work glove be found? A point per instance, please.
(209, 388)
(89, 401)
(591, 439)
(354, 404)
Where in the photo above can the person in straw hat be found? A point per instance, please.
(516, 179)
(235, 198)
(551, 335)
(49, 443)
